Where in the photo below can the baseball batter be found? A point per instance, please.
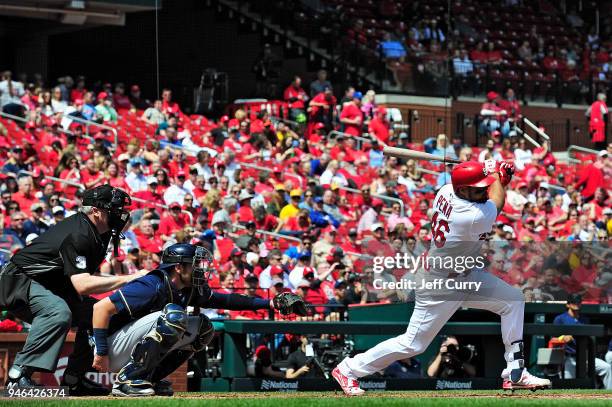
(464, 213)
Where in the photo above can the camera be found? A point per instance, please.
(451, 349)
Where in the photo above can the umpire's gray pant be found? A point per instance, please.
(50, 317)
(122, 342)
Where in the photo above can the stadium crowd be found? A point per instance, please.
(484, 45)
(289, 206)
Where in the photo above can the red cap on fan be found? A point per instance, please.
(275, 270)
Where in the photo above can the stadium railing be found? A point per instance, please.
(268, 233)
(89, 123)
(573, 148)
(260, 168)
(360, 139)
(55, 179)
(383, 197)
(157, 204)
(23, 120)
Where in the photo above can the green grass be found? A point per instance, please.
(467, 398)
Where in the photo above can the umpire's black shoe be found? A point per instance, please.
(20, 376)
(82, 386)
(22, 382)
(163, 388)
(136, 388)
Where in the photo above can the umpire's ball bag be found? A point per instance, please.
(14, 287)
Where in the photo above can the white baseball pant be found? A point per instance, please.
(122, 342)
(432, 310)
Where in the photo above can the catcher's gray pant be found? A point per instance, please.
(432, 309)
(122, 342)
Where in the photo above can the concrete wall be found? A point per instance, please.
(565, 126)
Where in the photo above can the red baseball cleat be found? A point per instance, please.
(527, 381)
(349, 386)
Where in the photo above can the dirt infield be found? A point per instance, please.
(438, 398)
(541, 394)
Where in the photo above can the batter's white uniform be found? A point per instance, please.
(457, 229)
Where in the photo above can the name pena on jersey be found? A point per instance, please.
(444, 206)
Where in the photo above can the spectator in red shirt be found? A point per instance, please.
(188, 205)
(595, 210)
(597, 113)
(266, 221)
(148, 240)
(511, 105)
(592, 177)
(550, 62)
(72, 173)
(315, 293)
(321, 108)
(149, 195)
(26, 195)
(120, 99)
(479, 55)
(226, 286)
(352, 244)
(298, 224)
(494, 117)
(379, 126)
(251, 291)
(78, 92)
(528, 233)
(296, 98)
(114, 178)
(494, 57)
(173, 222)
(352, 116)
(177, 164)
(245, 212)
(236, 265)
(168, 106)
(91, 176)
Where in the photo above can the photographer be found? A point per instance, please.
(448, 362)
(263, 364)
(299, 364)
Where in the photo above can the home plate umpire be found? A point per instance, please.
(47, 284)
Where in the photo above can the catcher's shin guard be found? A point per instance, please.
(177, 357)
(171, 362)
(147, 353)
(206, 332)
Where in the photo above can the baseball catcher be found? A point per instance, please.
(143, 330)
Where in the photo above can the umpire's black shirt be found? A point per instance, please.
(73, 246)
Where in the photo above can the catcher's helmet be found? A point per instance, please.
(179, 253)
(471, 174)
(198, 256)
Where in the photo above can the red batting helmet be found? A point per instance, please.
(471, 174)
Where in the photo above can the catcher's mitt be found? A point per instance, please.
(288, 303)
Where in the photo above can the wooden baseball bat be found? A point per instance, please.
(417, 155)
